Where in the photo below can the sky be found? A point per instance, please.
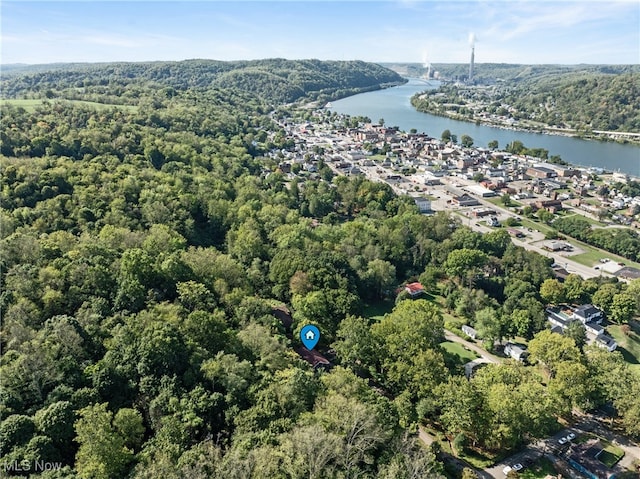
(436, 31)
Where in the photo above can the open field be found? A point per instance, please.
(592, 256)
(611, 454)
(497, 200)
(527, 223)
(629, 346)
(376, 311)
(31, 105)
(455, 349)
(590, 220)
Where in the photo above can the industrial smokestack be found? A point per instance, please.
(472, 44)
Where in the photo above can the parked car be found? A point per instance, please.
(516, 467)
(571, 436)
(562, 440)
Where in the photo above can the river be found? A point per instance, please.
(394, 106)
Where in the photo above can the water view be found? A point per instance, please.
(393, 105)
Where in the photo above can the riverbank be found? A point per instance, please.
(506, 123)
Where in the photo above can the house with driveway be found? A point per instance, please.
(590, 317)
(588, 313)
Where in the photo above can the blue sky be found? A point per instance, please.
(509, 31)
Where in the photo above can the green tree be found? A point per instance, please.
(489, 324)
(466, 141)
(603, 297)
(464, 262)
(106, 442)
(575, 330)
(56, 421)
(15, 430)
(572, 385)
(381, 275)
(623, 307)
(355, 345)
(493, 144)
(552, 291)
(544, 215)
(446, 135)
(551, 349)
(573, 288)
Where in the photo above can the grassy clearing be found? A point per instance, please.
(587, 218)
(628, 345)
(482, 461)
(455, 349)
(497, 200)
(31, 105)
(592, 256)
(540, 469)
(610, 455)
(527, 223)
(376, 311)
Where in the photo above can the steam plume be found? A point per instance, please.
(472, 39)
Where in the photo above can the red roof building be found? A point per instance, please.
(414, 289)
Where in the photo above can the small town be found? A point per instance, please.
(489, 189)
(320, 240)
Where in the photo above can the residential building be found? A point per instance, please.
(423, 204)
(516, 351)
(414, 289)
(584, 458)
(469, 331)
(607, 342)
(313, 357)
(588, 313)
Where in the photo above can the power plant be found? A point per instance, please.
(472, 44)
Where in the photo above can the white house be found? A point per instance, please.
(606, 342)
(469, 331)
(587, 313)
(516, 351)
(423, 204)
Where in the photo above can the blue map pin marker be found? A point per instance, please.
(310, 335)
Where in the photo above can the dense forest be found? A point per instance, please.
(273, 80)
(147, 254)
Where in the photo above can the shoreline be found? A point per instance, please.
(595, 135)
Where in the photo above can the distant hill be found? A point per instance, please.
(273, 80)
(583, 98)
(496, 72)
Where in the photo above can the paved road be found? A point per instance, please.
(458, 464)
(588, 424)
(449, 336)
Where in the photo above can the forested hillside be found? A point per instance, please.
(273, 80)
(582, 98)
(582, 102)
(146, 248)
